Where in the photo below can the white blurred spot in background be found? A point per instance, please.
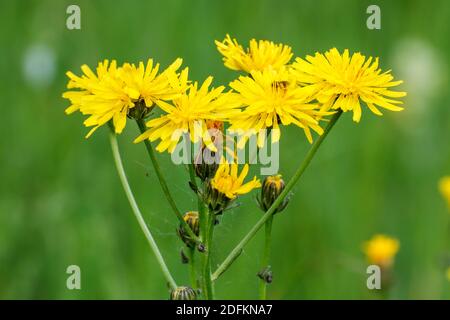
(39, 66)
(422, 69)
(421, 66)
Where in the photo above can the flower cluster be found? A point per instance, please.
(275, 91)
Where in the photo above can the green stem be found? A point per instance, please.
(207, 282)
(192, 176)
(200, 205)
(300, 170)
(191, 163)
(163, 184)
(137, 212)
(192, 271)
(205, 235)
(266, 258)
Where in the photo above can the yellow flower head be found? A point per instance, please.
(226, 180)
(447, 273)
(341, 81)
(259, 56)
(114, 91)
(444, 187)
(189, 114)
(270, 97)
(381, 250)
(150, 86)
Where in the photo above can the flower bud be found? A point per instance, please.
(207, 161)
(183, 293)
(271, 189)
(205, 164)
(192, 220)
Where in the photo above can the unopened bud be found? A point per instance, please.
(192, 221)
(271, 189)
(183, 293)
(205, 164)
(207, 161)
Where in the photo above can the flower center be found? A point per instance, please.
(139, 111)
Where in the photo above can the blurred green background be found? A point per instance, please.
(60, 198)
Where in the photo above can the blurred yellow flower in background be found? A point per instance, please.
(189, 114)
(341, 81)
(114, 91)
(226, 180)
(271, 97)
(447, 273)
(381, 250)
(444, 188)
(259, 56)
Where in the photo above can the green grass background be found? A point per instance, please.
(60, 198)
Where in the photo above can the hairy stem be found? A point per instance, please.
(192, 176)
(163, 184)
(137, 212)
(266, 258)
(207, 282)
(192, 270)
(298, 173)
